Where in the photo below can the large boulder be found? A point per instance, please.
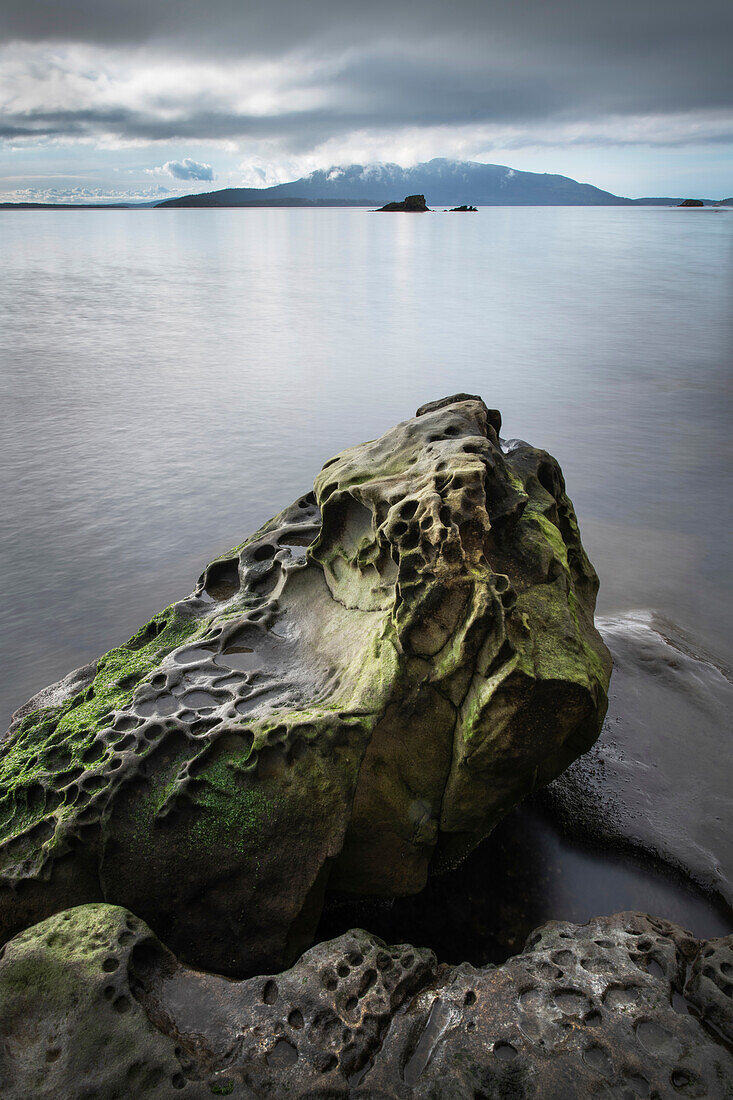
(93, 1007)
(358, 692)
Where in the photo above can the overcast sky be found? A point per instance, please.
(143, 98)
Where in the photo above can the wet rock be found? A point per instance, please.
(526, 873)
(358, 692)
(709, 986)
(463, 210)
(592, 1010)
(658, 779)
(413, 204)
(322, 1023)
(92, 1005)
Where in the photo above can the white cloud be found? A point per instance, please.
(500, 144)
(85, 195)
(75, 91)
(185, 169)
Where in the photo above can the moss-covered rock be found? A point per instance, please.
(360, 690)
(71, 1026)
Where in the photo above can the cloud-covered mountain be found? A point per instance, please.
(443, 182)
(642, 89)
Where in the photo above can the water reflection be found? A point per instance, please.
(169, 382)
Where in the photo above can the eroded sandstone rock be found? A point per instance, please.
(93, 1007)
(357, 692)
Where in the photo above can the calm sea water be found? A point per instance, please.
(170, 379)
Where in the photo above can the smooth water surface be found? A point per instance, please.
(170, 379)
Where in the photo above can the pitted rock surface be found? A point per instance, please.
(606, 1009)
(357, 693)
(93, 1007)
(70, 1027)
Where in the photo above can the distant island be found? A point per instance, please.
(448, 183)
(413, 204)
(454, 184)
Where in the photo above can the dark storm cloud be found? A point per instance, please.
(297, 132)
(231, 26)
(198, 125)
(387, 65)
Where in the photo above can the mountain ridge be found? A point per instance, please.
(443, 182)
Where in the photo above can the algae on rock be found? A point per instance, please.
(355, 694)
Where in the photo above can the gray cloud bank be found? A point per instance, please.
(338, 68)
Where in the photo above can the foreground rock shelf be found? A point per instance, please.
(355, 695)
(92, 1007)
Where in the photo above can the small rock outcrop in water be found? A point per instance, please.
(691, 203)
(358, 692)
(92, 1007)
(413, 204)
(463, 210)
